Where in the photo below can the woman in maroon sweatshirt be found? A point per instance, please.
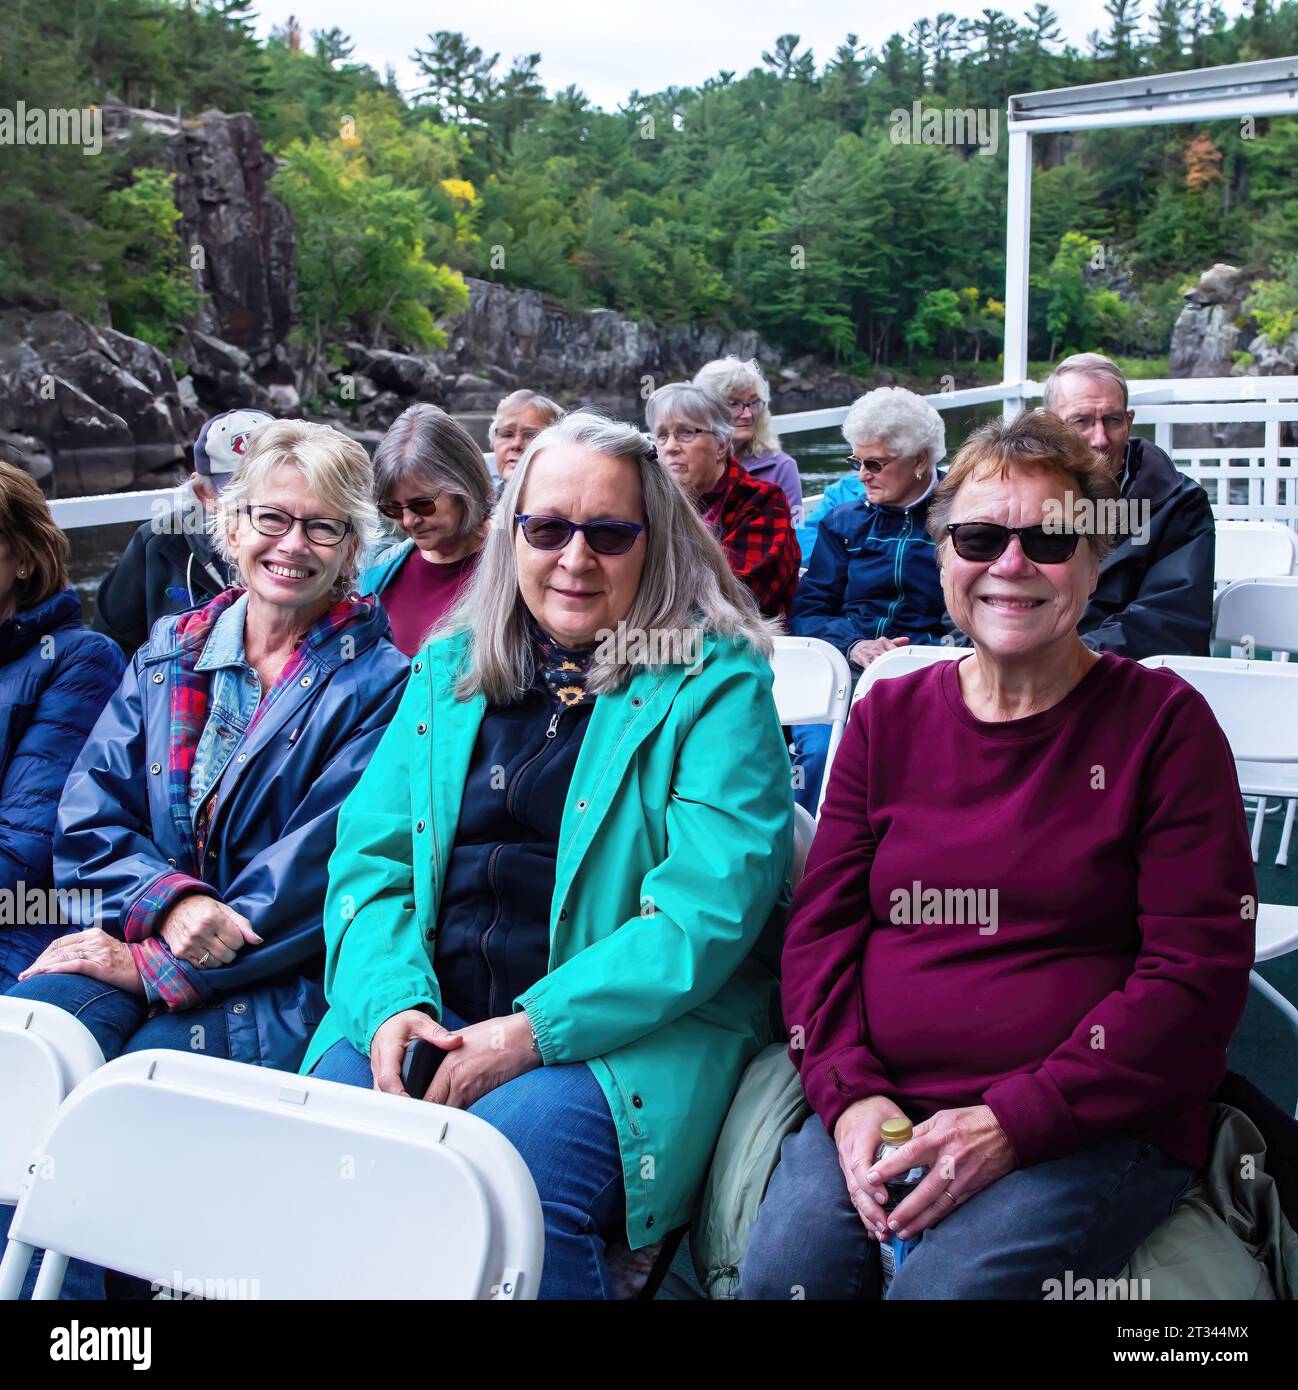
(1026, 923)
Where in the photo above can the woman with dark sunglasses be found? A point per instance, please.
(432, 484)
(1024, 926)
(558, 868)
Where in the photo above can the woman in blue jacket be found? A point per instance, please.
(872, 581)
(55, 677)
(202, 810)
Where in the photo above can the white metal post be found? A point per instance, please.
(1018, 227)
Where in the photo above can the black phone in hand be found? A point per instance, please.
(420, 1066)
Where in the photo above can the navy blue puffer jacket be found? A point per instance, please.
(872, 574)
(55, 677)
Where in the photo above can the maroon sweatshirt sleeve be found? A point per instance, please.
(825, 940)
(1158, 1044)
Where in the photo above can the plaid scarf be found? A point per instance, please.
(191, 694)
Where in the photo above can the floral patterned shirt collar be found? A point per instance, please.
(561, 670)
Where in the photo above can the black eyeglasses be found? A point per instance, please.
(421, 506)
(320, 530)
(984, 541)
(554, 533)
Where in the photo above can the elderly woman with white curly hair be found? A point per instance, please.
(555, 874)
(872, 581)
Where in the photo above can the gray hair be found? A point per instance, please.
(425, 442)
(904, 420)
(686, 587)
(688, 404)
(551, 411)
(726, 376)
(337, 469)
(1084, 364)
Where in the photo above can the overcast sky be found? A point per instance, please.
(608, 50)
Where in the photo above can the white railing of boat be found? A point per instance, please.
(1268, 470)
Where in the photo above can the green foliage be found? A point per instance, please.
(148, 285)
(362, 267)
(1274, 303)
(1079, 317)
(771, 199)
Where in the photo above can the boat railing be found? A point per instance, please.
(1250, 481)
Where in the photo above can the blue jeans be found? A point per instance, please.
(811, 748)
(19, 946)
(558, 1120)
(117, 1021)
(1086, 1213)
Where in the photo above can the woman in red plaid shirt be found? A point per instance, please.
(692, 428)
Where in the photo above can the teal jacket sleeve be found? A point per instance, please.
(729, 821)
(375, 961)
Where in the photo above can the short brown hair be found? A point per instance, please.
(28, 527)
(1033, 442)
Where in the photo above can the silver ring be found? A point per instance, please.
(207, 955)
(83, 955)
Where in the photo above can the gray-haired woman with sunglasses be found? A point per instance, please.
(432, 484)
(556, 872)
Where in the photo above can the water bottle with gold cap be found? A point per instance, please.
(893, 1134)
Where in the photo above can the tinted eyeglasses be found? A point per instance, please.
(554, 533)
(320, 530)
(420, 506)
(870, 465)
(984, 541)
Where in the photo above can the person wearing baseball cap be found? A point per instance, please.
(170, 564)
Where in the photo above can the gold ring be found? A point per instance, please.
(946, 1192)
(207, 955)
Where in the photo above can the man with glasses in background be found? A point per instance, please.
(1154, 595)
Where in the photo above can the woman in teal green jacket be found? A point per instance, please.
(566, 866)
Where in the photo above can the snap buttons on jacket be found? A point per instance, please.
(419, 829)
(305, 681)
(239, 1009)
(421, 727)
(158, 678)
(419, 666)
(156, 767)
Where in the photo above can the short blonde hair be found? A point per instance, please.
(337, 469)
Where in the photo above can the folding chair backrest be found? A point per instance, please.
(44, 1053)
(813, 685)
(282, 1186)
(903, 660)
(1254, 702)
(1261, 611)
(1254, 550)
(804, 830)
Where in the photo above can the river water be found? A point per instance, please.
(819, 453)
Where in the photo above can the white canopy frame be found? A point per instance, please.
(1231, 92)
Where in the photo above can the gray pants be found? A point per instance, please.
(1086, 1214)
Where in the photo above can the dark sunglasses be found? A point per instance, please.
(983, 541)
(554, 533)
(421, 506)
(870, 465)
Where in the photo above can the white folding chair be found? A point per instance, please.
(1263, 613)
(44, 1053)
(1255, 704)
(901, 661)
(1253, 550)
(813, 685)
(804, 831)
(294, 1187)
